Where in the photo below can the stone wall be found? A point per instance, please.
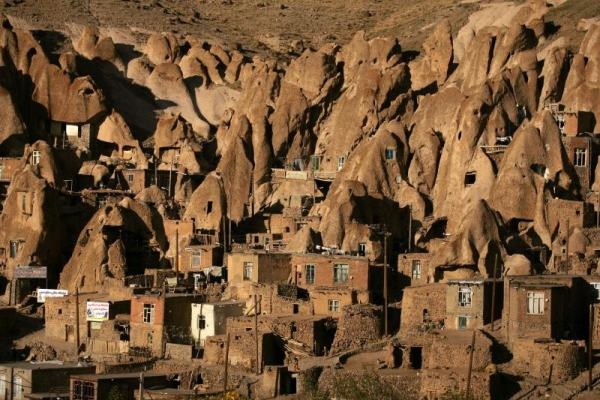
(551, 362)
(178, 351)
(436, 383)
(452, 349)
(418, 300)
(340, 381)
(359, 325)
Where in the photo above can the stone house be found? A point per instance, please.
(132, 179)
(332, 300)
(469, 303)
(76, 135)
(19, 379)
(258, 267)
(332, 270)
(8, 167)
(243, 339)
(60, 318)
(414, 269)
(546, 307)
(581, 153)
(100, 387)
(423, 309)
(197, 257)
(160, 318)
(210, 319)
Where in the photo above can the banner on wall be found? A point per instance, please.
(97, 311)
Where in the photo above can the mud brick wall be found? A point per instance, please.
(415, 300)
(359, 325)
(215, 376)
(450, 353)
(105, 330)
(330, 378)
(214, 349)
(178, 351)
(558, 362)
(300, 330)
(436, 383)
(405, 264)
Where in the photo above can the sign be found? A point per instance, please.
(97, 310)
(28, 272)
(42, 294)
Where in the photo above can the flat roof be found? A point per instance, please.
(541, 285)
(475, 281)
(222, 303)
(123, 375)
(46, 395)
(169, 295)
(45, 365)
(298, 317)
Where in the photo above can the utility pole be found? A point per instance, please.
(229, 220)
(170, 175)
(77, 344)
(385, 283)
(409, 227)
(567, 243)
(591, 347)
(256, 332)
(177, 248)
(226, 364)
(494, 293)
(468, 390)
(141, 388)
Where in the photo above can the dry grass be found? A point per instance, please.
(269, 26)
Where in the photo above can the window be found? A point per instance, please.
(362, 249)
(390, 153)
(83, 390)
(148, 313)
(464, 296)
(72, 130)
(309, 269)
(341, 162)
(248, 266)
(315, 162)
(535, 303)
(333, 305)
(580, 159)
(35, 157)
(416, 269)
(1, 171)
(201, 322)
(561, 123)
(596, 286)
(195, 260)
(14, 248)
(462, 322)
(470, 178)
(340, 273)
(209, 207)
(24, 202)
(298, 164)
(130, 178)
